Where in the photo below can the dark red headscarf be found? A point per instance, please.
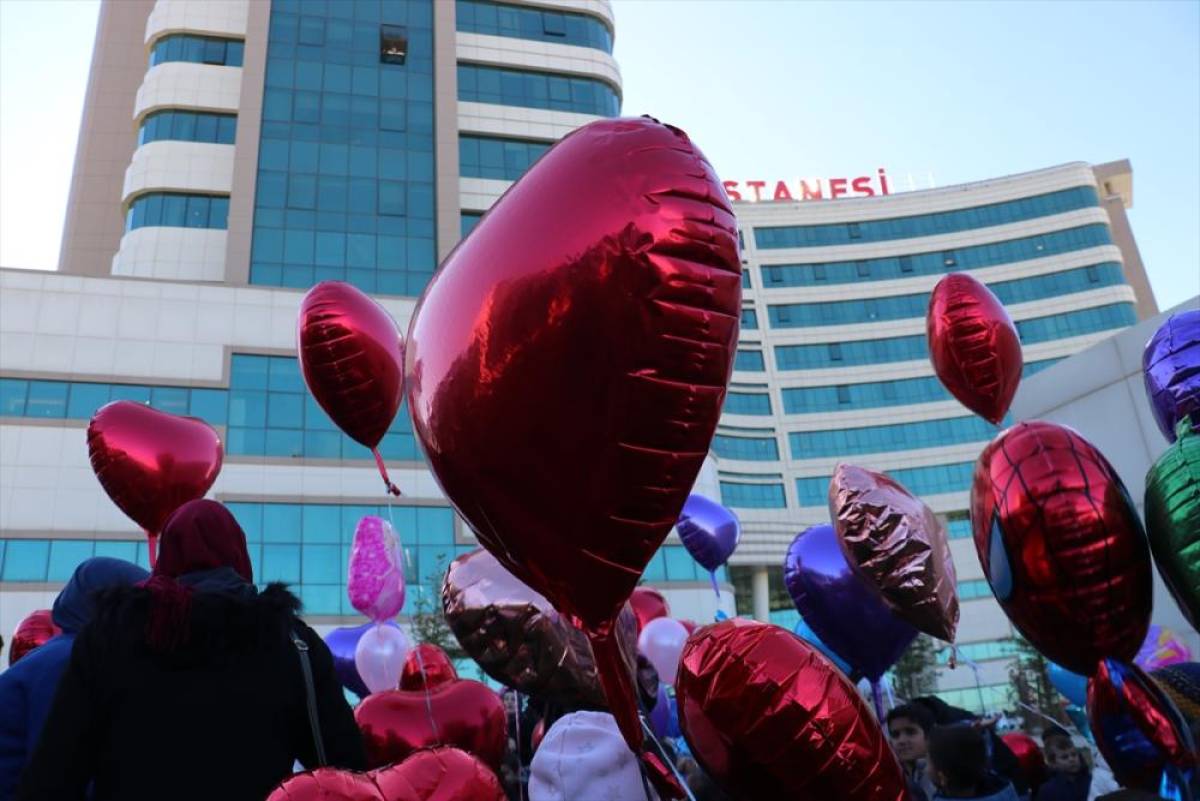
(200, 535)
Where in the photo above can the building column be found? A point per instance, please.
(762, 595)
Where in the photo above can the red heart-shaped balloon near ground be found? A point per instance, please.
(567, 364)
(150, 462)
(468, 715)
(435, 774)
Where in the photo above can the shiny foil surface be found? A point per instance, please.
(648, 604)
(973, 345)
(567, 364)
(1029, 756)
(770, 718)
(1061, 545)
(463, 713)
(1171, 369)
(151, 462)
(709, 531)
(427, 665)
(36, 628)
(841, 608)
(898, 545)
(436, 774)
(351, 357)
(1173, 517)
(1137, 728)
(515, 635)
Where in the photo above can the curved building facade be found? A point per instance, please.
(832, 363)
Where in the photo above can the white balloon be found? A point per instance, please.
(662, 642)
(379, 657)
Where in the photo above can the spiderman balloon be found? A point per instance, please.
(1062, 545)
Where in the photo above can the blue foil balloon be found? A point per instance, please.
(342, 642)
(1072, 686)
(805, 632)
(710, 532)
(843, 610)
(1171, 368)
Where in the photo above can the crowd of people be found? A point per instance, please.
(187, 683)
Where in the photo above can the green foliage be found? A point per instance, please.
(915, 672)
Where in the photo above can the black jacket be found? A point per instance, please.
(223, 717)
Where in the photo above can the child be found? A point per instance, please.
(908, 727)
(1070, 778)
(958, 765)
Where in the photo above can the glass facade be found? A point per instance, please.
(899, 392)
(943, 222)
(468, 220)
(909, 348)
(197, 50)
(753, 496)
(982, 651)
(931, 480)
(893, 437)
(266, 411)
(188, 126)
(749, 319)
(497, 158)
(778, 276)
(746, 448)
(899, 307)
(749, 361)
(539, 25)
(345, 186)
(512, 87)
(971, 590)
(987, 698)
(178, 210)
(747, 403)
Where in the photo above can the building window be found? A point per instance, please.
(177, 210)
(843, 394)
(906, 264)
(835, 351)
(553, 24)
(863, 269)
(819, 272)
(522, 22)
(530, 89)
(188, 126)
(393, 44)
(197, 50)
(948, 259)
(853, 231)
(774, 275)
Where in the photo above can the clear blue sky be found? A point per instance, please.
(772, 89)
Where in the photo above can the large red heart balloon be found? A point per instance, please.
(567, 365)
(34, 630)
(150, 462)
(1062, 545)
(973, 345)
(427, 665)
(770, 718)
(352, 356)
(466, 714)
(434, 774)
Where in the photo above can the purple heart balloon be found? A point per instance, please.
(710, 532)
(845, 612)
(342, 642)
(1171, 367)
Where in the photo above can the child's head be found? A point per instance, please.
(958, 759)
(1061, 753)
(909, 726)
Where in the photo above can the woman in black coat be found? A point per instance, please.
(191, 686)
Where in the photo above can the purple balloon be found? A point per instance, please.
(710, 532)
(1171, 367)
(342, 642)
(660, 716)
(845, 612)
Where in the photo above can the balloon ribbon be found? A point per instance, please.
(387, 482)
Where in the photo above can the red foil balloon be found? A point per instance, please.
(434, 774)
(1138, 729)
(770, 718)
(427, 665)
(568, 361)
(463, 713)
(352, 356)
(150, 462)
(1029, 757)
(973, 345)
(648, 604)
(37, 627)
(1061, 545)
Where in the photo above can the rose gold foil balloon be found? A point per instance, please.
(151, 462)
(898, 545)
(973, 345)
(515, 635)
(352, 359)
(567, 365)
(770, 718)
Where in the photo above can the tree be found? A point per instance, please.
(429, 622)
(1031, 689)
(915, 672)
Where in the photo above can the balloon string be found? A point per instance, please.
(387, 482)
(662, 754)
(712, 574)
(152, 548)
(428, 701)
(520, 762)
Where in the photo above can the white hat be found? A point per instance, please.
(584, 758)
